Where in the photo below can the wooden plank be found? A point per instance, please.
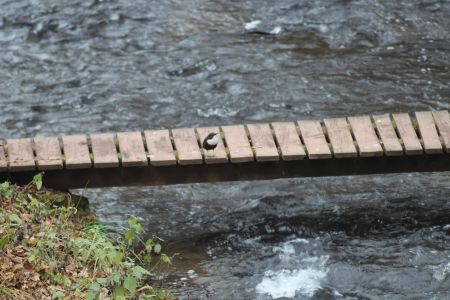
(132, 149)
(186, 144)
(366, 138)
(391, 143)
(218, 155)
(340, 138)
(20, 155)
(3, 160)
(263, 142)
(408, 134)
(314, 139)
(442, 120)
(160, 148)
(76, 152)
(48, 153)
(104, 150)
(237, 143)
(288, 140)
(428, 131)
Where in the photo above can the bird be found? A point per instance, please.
(210, 142)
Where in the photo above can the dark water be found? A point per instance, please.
(85, 66)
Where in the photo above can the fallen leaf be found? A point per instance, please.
(36, 277)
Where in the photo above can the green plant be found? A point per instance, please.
(117, 263)
(73, 256)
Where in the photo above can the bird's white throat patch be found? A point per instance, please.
(213, 141)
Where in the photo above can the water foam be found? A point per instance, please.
(286, 282)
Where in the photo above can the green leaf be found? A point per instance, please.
(95, 286)
(37, 180)
(119, 293)
(116, 257)
(57, 294)
(102, 281)
(129, 236)
(5, 189)
(85, 282)
(157, 248)
(166, 259)
(3, 242)
(116, 278)
(85, 254)
(67, 282)
(31, 258)
(130, 284)
(132, 221)
(138, 228)
(139, 272)
(149, 244)
(15, 218)
(91, 295)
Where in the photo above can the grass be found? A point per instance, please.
(50, 248)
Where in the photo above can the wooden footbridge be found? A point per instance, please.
(337, 146)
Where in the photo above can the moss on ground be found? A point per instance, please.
(52, 249)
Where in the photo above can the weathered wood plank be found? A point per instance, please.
(104, 150)
(314, 139)
(76, 152)
(48, 153)
(391, 143)
(288, 140)
(428, 131)
(3, 161)
(340, 137)
(263, 142)
(218, 155)
(366, 138)
(160, 148)
(237, 143)
(20, 155)
(132, 149)
(186, 144)
(408, 134)
(442, 120)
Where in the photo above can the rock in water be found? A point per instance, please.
(257, 27)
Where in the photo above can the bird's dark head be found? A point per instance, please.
(211, 135)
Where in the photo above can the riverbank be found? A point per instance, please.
(52, 247)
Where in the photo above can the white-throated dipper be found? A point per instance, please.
(210, 142)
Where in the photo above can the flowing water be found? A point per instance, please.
(87, 66)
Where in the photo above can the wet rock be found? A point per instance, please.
(194, 69)
(258, 27)
(253, 25)
(65, 198)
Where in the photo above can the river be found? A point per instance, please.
(88, 66)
